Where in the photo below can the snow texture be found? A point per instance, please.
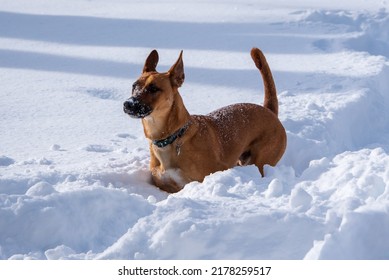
(74, 179)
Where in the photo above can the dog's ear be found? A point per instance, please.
(151, 62)
(177, 75)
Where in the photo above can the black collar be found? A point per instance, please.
(170, 139)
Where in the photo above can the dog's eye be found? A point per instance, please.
(152, 88)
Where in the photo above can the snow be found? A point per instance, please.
(74, 179)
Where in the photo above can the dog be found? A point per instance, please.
(186, 148)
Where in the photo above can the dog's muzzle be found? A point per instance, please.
(136, 109)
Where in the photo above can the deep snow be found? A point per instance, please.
(74, 180)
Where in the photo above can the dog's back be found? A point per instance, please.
(251, 133)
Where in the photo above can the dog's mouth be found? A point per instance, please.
(136, 109)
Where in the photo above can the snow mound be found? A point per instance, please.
(79, 219)
(6, 161)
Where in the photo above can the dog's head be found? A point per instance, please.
(153, 91)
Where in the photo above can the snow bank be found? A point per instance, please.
(74, 179)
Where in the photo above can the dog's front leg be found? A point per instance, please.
(155, 168)
(167, 180)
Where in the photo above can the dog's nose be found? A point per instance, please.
(135, 108)
(127, 105)
(130, 106)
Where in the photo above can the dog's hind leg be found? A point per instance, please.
(244, 158)
(265, 154)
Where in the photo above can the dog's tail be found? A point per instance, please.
(270, 101)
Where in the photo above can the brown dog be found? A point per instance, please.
(186, 147)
